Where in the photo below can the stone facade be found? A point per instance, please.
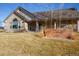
(8, 24)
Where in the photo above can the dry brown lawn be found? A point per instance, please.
(29, 43)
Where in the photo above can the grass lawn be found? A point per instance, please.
(33, 44)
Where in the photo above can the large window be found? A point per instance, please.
(15, 24)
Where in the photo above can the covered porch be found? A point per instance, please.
(72, 24)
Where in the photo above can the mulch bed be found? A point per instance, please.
(60, 33)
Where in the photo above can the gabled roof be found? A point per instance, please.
(21, 16)
(26, 12)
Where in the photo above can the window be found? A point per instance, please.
(15, 24)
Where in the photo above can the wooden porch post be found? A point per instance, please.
(26, 26)
(37, 26)
(78, 25)
(55, 25)
(18, 26)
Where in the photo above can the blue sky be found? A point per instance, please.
(7, 8)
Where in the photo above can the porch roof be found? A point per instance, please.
(58, 14)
